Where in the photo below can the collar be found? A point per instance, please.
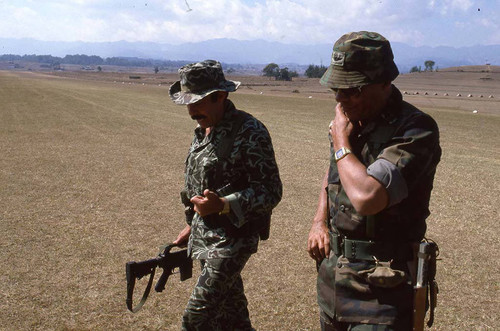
(393, 107)
(389, 114)
(224, 124)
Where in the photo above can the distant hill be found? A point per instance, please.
(251, 52)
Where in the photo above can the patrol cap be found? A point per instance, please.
(197, 80)
(360, 58)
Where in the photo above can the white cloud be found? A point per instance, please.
(444, 7)
(299, 21)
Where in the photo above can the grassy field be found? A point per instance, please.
(90, 171)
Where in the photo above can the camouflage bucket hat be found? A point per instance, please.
(360, 58)
(197, 80)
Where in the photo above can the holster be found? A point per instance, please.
(425, 280)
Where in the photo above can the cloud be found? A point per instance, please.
(288, 21)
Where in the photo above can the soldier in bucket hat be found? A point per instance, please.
(232, 183)
(374, 197)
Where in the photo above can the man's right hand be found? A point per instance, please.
(318, 243)
(183, 237)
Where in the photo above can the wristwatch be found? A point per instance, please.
(226, 209)
(341, 153)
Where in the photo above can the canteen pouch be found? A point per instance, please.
(382, 275)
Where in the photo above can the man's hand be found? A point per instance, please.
(208, 204)
(341, 128)
(183, 237)
(318, 243)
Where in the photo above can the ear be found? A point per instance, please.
(387, 84)
(223, 95)
(387, 87)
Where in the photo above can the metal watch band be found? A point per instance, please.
(341, 153)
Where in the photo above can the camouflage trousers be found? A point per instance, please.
(218, 300)
(331, 324)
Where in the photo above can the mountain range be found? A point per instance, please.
(251, 52)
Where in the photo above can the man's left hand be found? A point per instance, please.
(341, 127)
(207, 204)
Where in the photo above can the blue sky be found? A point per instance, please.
(454, 23)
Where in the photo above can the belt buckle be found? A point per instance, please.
(353, 249)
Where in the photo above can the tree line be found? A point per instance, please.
(86, 60)
(273, 70)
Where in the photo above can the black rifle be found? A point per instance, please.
(165, 260)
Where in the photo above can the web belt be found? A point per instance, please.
(366, 250)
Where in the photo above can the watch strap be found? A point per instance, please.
(341, 153)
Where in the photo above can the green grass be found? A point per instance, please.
(90, 174)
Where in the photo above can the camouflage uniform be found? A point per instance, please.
(250, 181)
(401, 150)
(235, 160)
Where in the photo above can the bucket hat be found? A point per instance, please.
(197, 80)
(358, 59)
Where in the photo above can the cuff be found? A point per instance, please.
(236, 214)
(392, 179)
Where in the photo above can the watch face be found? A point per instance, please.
(339, 153)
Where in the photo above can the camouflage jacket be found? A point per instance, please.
(248, 178)
(406, 141)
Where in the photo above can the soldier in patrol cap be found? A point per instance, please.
(374, 197)
(232, 183)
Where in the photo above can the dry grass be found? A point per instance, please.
(90, 171)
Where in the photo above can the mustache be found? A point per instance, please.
(198, 117)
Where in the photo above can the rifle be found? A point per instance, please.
(165, 260)
(425, 285)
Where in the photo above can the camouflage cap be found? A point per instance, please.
(197, 80)
(360, 58)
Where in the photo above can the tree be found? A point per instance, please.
(429, 65)
(271, 70)
(284, 74)
(156, 69)
(415, 69)
(314, 71)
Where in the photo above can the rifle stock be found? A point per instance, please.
(165, 260)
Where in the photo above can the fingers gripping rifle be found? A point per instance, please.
(165, 260)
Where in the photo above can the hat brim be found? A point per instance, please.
(180, 97)
(338, 78)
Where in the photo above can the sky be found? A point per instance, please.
(455, 23)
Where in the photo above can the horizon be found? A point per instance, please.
(258, 52)
(238, 40)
